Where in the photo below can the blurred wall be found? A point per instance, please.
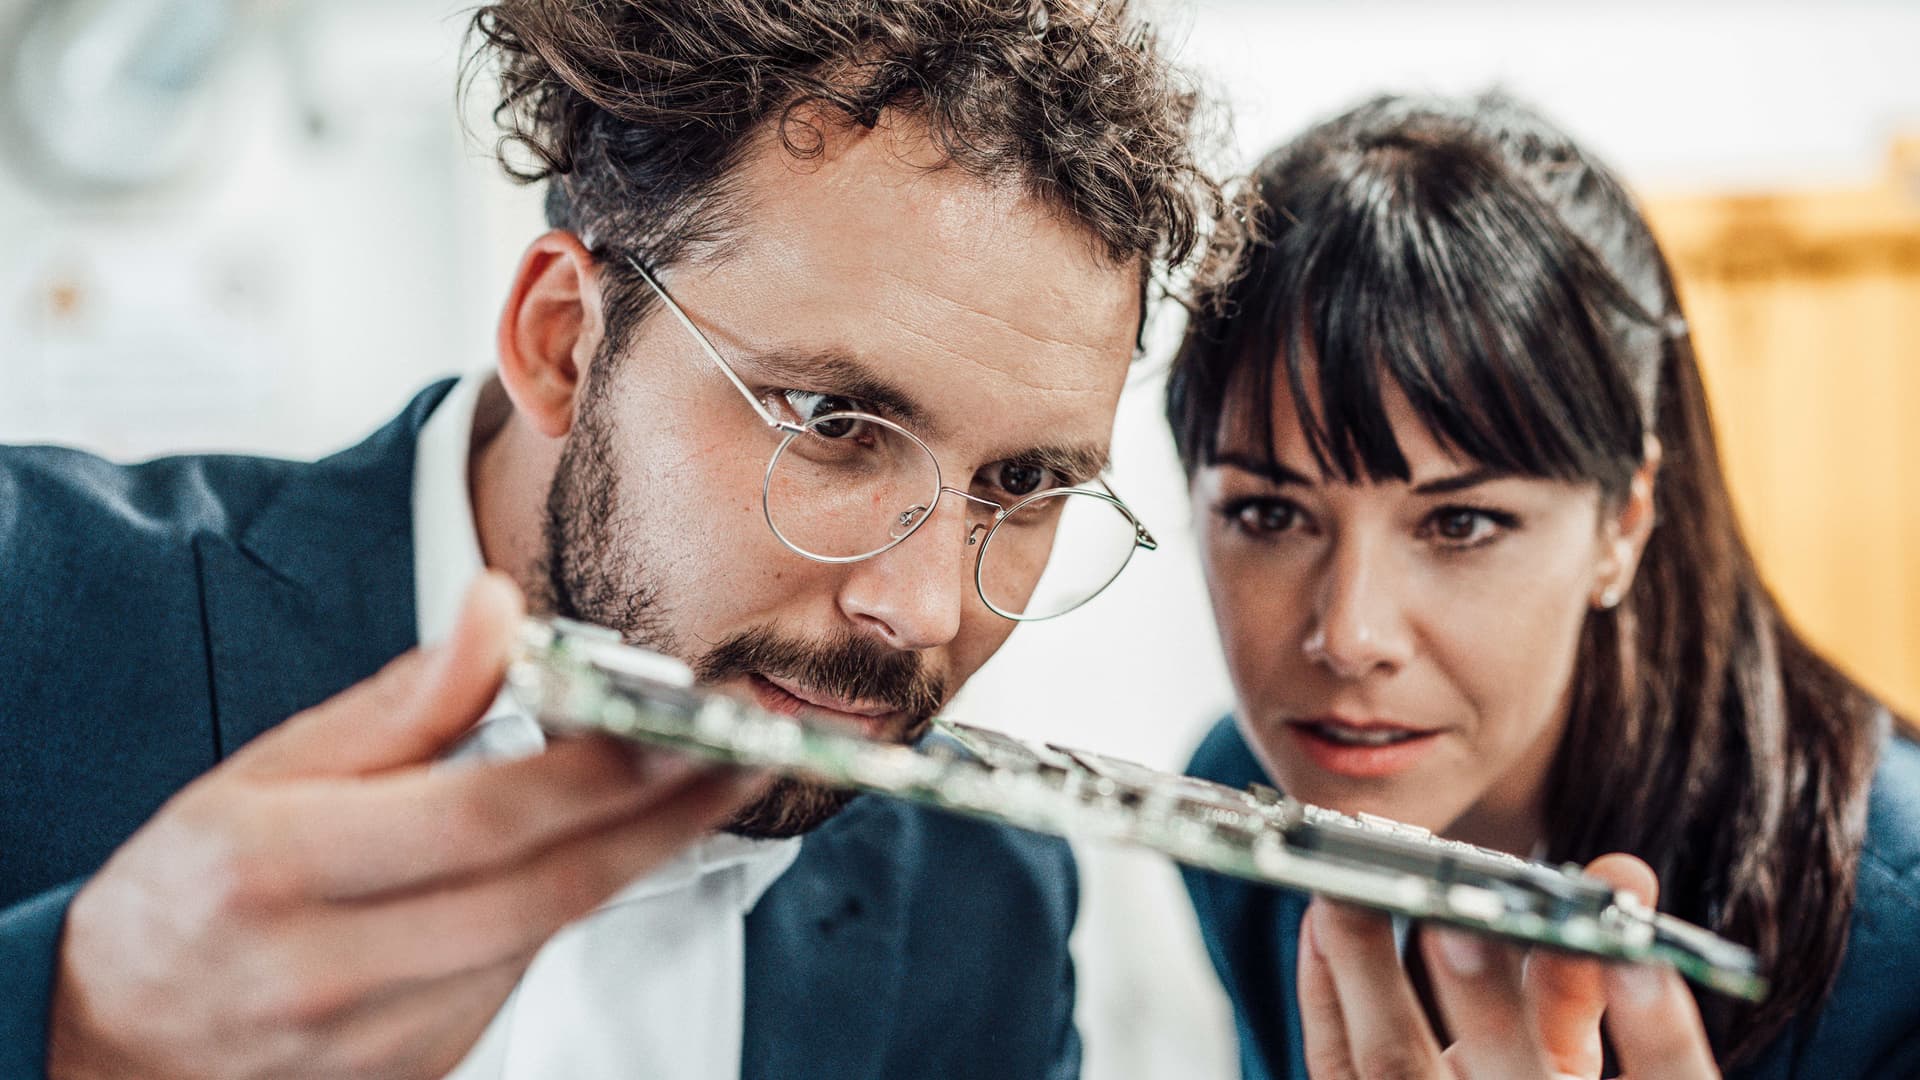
(340, 242)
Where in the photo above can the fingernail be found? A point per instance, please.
(1464, 954)
(1636, 984)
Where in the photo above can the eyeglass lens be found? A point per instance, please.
(851, 486)
(1054, 553)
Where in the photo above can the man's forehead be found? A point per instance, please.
(870, 227)
(987, 309)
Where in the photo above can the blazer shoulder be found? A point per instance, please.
(67, 516)
(1869, 1025)
(1225, 758)
(1891, 851)
(76, 495)
(90, 549)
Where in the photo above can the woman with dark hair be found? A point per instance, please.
(1475, 567)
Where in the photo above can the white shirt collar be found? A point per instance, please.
(446, 544)
(655, 974)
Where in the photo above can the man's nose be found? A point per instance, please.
(1359, 625)
(913, 594)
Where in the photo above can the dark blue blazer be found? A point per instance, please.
(1868, 1030)
(155, 617)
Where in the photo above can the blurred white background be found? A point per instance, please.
(334, 241)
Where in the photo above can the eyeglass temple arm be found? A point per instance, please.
(1140, 534)
(713, 354)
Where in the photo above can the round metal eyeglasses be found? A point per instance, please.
(846, 486)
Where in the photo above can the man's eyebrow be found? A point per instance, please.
(1271, 471)
(1448, 484)
(840, 373)
(1078, 464)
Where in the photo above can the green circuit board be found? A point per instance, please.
(576, 679)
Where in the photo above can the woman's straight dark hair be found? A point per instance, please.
(1472, 256)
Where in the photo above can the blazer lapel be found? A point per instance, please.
(316, 591)
(826, 953)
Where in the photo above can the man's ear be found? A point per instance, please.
(550, 331)
(1626, 532)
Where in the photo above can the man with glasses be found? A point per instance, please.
(811, 385)
(846, 485)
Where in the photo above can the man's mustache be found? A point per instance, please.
(851, 667)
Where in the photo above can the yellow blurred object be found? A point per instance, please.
(1805, 309)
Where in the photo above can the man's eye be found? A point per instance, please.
(807, 405)
(1019, 479)
(1466, 526)
(1261, 517)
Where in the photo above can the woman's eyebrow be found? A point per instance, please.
(1445, 485)
(1271, 471)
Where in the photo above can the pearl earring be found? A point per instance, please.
(1610, 598)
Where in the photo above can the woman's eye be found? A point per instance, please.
(1262, 517)
(1465, 527)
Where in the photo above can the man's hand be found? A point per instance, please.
(325, 903)
(1513, 1014)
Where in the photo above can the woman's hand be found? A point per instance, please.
(1512, 1013)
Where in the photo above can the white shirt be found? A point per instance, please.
(652, 982)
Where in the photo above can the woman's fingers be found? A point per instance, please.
(1509, 1013)
(1321, 1023)
(1650, 1016)
(1478, 985)
(1652, 1019)
(1566, 994)
(1382, 1029)
(1655, 1025)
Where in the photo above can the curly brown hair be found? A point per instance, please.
(637, 113)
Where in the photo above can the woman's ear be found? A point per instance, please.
(1625, 532)
(550, 331)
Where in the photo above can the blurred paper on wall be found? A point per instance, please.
(158, 342)
(333, 242)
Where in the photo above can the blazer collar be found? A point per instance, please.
(315, 592)
(826, 949)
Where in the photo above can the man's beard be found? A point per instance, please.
(596, 572)
(851, 668)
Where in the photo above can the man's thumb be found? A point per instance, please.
(412, 708)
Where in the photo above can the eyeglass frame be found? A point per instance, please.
(1142, 539)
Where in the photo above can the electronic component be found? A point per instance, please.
(577, 678)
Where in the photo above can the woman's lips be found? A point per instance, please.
(788, 699)
(1363, 749)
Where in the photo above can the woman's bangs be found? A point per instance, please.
(1481, 329)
